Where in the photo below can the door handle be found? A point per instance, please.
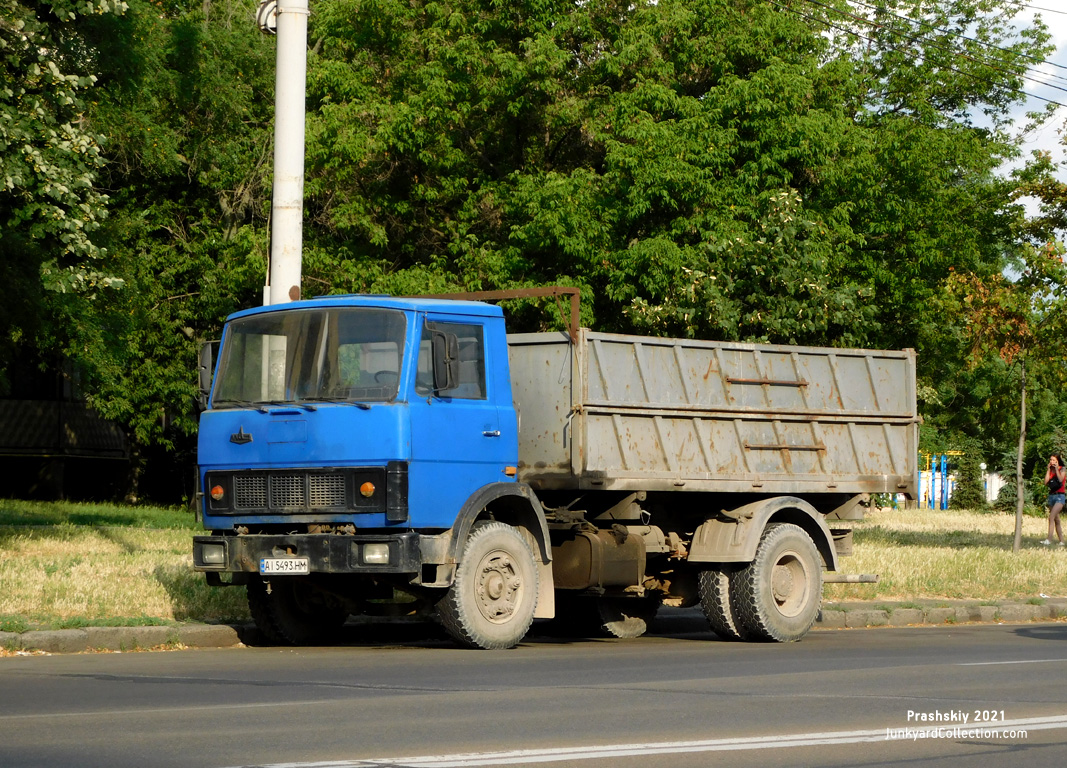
(492, 433)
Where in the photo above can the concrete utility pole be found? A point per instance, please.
(287, 207)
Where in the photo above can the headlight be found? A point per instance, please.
(376, 554)
(213, 554)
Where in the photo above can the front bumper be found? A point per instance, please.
(326, 553)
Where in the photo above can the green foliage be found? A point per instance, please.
(729, 169)
(50, 204)
(1036, 493)
(14, 512)
(13, 623)
(714, 168)
(185, 102)
(48, 199)
(969, 492)
(1038, 180)
(773, 285)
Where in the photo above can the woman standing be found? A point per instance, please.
(1056, 481)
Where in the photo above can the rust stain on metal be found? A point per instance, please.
(526, 293)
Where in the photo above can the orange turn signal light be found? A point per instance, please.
(217, 493)
(367, 489)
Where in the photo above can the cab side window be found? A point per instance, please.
(470, 370)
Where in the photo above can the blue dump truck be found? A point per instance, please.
(391, 456)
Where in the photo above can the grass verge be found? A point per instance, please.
(951, 554)
(68, 565)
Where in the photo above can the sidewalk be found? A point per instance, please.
(845, 615)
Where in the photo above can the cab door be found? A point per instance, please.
(456, 445)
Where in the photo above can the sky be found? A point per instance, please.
(1054, 14)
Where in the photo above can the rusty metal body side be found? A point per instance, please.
(634, 413)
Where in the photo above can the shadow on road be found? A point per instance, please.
(678, 624)
(1057, 632)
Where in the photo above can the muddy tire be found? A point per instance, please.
(491, 602)
(294, 612)
(777, 596)
(714, 589)
(626, 617)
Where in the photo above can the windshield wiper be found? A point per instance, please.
(291, 404)
(241, 403)
(261, 405)
(361, 406)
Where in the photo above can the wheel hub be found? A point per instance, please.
(499, 588)
(789, 584)
(782, 583)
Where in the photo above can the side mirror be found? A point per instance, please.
(206, 370)
(445, 359)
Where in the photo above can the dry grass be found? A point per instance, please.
(59, 569)
(67, 575)
(925, 553)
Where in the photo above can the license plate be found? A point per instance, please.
(283, 566)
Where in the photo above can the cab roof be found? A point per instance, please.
(379, 301)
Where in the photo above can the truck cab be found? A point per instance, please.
(349, 445)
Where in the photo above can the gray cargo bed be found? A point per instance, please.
(639, 413)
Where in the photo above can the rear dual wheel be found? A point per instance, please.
(714, 590)
(776, 597)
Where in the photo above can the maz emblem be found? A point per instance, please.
(240, 437)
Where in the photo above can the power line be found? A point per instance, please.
(1043, 10)
(871, 40)
(932, 44)
(856, 34)
(973, 40)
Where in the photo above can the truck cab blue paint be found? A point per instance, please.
(463, 442)
(453, 442)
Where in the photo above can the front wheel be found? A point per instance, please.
(777, 596)
(291, 610)
(491, 602)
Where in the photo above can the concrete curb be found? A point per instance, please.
(853, 615)
(123, 638)
(935, 612)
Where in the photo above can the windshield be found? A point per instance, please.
(311, 355)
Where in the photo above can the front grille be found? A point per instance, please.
(250, 492)
(326, 490)
(295, 491)
(287, 492)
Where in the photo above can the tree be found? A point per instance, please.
(184, 101)
(1024, 323)
(969, 491)
(788, 171)
(686, 160)
(50, 205)
(773, 285)
(1038, 181)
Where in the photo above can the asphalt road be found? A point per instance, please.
(404, 696)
